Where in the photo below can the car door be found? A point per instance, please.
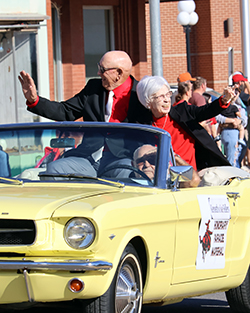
(204, 233)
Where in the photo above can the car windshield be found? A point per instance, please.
(79, 152)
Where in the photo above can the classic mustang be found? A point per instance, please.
(96, 213)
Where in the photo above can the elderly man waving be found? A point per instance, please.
(110, 98)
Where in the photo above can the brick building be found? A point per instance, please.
(209, 43)
(66, 38)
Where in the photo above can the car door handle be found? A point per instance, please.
(234, 195)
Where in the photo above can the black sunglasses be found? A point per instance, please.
(149, 158)
(103, 69)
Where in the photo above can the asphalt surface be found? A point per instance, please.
(214, 303)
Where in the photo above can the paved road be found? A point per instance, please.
(215, 303)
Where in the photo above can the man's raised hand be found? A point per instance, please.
(28, 86)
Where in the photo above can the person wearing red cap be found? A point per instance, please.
(239, 77)
(244, 86)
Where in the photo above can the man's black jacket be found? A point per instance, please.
(89, 103)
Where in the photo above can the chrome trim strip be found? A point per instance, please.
(75, 265)
(15, 230)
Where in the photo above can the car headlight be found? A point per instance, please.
(79, 233)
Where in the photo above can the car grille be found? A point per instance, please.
(17, 232)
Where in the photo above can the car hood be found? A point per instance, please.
(38, 201)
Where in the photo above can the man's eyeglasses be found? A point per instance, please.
(149, 158)
(163, 96)
(103, 69)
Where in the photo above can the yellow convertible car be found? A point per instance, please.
(96, 213)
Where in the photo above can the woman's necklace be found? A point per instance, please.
(163, 127)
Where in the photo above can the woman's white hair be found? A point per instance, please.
(148, 86)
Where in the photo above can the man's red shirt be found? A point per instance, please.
(121, 101)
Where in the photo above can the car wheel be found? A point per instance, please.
(239, 298)
(125, 291)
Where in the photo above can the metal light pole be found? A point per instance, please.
(155, 29)
(187, 18)
(187, 29)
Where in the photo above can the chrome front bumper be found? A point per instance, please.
(70, 265)
(25, 266)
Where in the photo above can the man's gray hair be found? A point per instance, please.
(148, 86)
(136, 152)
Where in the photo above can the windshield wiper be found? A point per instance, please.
(11, 181)
(71, 175)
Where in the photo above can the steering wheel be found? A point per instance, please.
(124, 166)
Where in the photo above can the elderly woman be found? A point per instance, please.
(189, 139)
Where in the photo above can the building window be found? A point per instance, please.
(98, 36)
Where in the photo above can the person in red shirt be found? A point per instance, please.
(114, 69)
(189, 139)
(110, 98)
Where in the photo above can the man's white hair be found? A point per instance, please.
(148, 86)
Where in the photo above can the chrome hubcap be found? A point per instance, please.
(128, 293)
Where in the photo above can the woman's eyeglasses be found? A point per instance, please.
(103, 69)
(163, 96)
